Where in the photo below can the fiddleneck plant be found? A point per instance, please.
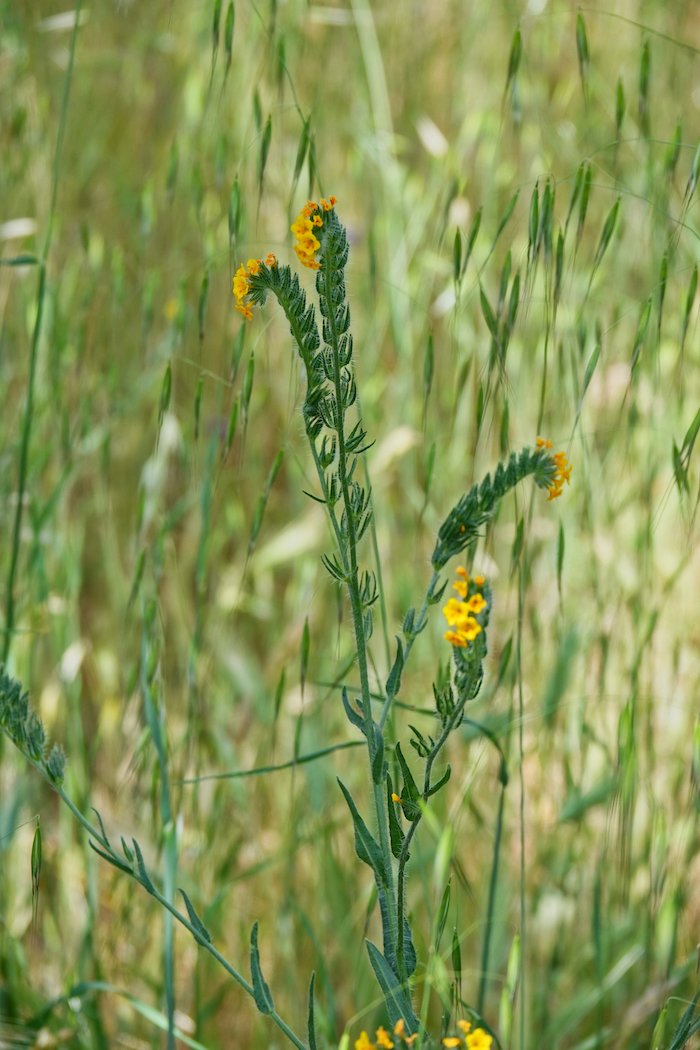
(336, 442)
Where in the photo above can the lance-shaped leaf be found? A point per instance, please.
(641, 333)
(312, 1022)
(378, 763)
(263, 997)
(366, 847)
(393, 682)
(353, 714)
(395, 831)
(441, 782)
(145, 877)
(397, 1002)
(606, 235)
(409, 783)
(114, 861)
(195, 920)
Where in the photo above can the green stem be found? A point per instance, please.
(409, 645)
(491, 902)
(169, 907)
(453, 721)
(29, 409)
(355, 599)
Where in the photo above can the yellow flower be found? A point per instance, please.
(245, 310)
(399, 1026)
(466, 1026)
(476, 603)
(271, 260)
(240, 283)
(253, 266)
(478, 580)
(461, 587)
(461, 571)
(363, 1043)
(395, 798)
(563, 471)
(452, 1040)
(383, 1039)
(479, 1040)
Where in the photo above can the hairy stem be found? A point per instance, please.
(355, 599)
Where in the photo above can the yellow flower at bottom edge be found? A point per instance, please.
(466, 1026)
(363, 1043)
(479, 1040)
(452, 1040)
(382, 1037)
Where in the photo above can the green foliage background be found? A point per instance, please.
(169, 173)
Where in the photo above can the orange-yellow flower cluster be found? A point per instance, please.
(384, 1040)
(303, 229)
(461, 612)
(476, 1040)
(241, 286)
(563, 472)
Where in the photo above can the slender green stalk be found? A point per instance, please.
(36, 333)
(491, 902)
(113, 857)
(409, 645)
(355, 599)
(521, 748)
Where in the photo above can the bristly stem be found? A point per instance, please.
(354, 589)
(113, 857)
(29, 408)
(409, 645)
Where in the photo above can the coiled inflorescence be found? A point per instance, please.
(477, 506)
(25, 728)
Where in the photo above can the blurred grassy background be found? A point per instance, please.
(162, 182)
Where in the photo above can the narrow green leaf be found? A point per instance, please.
(395, 831)
(641, 333)
(673, 150)
(264, 151)
(585, 196)
(248, 385)
(471, 239)
(393, 682)
(583, 53)
(397, 1002)
(561, 542)
(479, 408)
(510, 207)
(689, 300)
(198, 405)
(378, 763)
(26, 259)
(488, 313)
(195, 920)
(311, 1021)
(644, 73)
(410, 786)
(606, 234)
(428, 367)
(366, 847)
(261, 992)
(516, 54)
(231, 429)
(619, 107)
(456, 955)
(143, 873)
(442, 914)
(441, 782)
(228, 35)
(304, 653)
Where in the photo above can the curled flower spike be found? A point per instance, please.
(241, 286)
(562, 473)
(308, 220)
